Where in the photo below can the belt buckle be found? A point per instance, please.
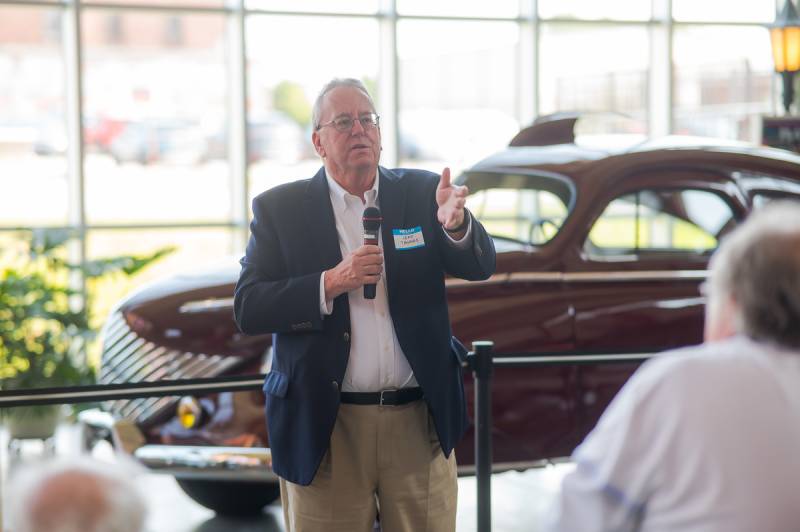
(383, 392)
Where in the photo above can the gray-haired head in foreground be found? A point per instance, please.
(316, 111)
(76, 495)
(758, 265)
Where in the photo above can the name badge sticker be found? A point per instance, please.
(408, 238)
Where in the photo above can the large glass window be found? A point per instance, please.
(592, 9)
(320, 6)
(159, 87)
(191, 249)
(180, 3)
(33, 130)
(283, 86)
(722, 81)
(459, 8)
(600, 68)
(154, 102)
(753, 11)
(457, 91)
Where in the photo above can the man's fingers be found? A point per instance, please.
(444, 181)
(371, 258)
(373, 269)
(368, 249)
(371, 262)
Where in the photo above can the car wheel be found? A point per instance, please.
(231, 497)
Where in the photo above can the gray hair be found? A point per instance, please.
(76, 495)
(758, 266)
(332, 84)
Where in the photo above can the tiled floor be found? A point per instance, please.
(518, 499)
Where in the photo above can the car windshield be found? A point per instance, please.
(529, 209)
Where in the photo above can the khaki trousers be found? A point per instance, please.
(380, 457)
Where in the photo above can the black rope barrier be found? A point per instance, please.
(137, 390)
(480, 362)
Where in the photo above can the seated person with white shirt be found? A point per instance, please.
(706, 438)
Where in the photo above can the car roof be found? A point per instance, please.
(554, 141)
(605, 146)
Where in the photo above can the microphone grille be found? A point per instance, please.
(372, 218)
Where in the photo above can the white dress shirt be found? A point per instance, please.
(702, 440)
(377, 361)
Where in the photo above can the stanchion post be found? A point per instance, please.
(480, 361)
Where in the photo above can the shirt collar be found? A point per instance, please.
(340, 198)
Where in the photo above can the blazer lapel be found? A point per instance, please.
(392, 199)
(321, 226)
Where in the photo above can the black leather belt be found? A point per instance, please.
(384, 398)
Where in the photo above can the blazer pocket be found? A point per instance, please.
(459, 351)
(276, 383)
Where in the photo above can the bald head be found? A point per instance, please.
(79, 496)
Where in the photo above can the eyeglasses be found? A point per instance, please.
(345, 123)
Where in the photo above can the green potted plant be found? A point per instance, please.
(46, 328)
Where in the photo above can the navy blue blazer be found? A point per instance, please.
(293, 239)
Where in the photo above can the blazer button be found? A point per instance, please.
(335, 385)
(346, 336)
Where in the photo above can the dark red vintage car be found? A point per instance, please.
(600, 249)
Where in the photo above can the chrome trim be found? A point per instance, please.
(96, 418)
(192, 405)
(195, 461)
(128, 358)
(652, 275)
(499, 467)
(207, 305)
(545, 277)
(497, 278)
(590, 277)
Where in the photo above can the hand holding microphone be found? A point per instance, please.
(363, 266)
(371, 220)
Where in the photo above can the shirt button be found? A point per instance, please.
(346, 336)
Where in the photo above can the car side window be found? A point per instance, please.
(525, 215)
(661, 220)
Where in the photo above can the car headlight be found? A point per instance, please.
(191, 413)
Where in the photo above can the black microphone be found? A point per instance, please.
(371, 220)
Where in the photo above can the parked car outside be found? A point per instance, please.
(272, 136)
(99, 132)
(598, 250)
(156, 141)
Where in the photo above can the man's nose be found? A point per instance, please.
(357, 128)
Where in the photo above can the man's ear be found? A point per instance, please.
(722, 318)
(317, 144)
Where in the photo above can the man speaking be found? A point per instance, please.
(365, 399)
